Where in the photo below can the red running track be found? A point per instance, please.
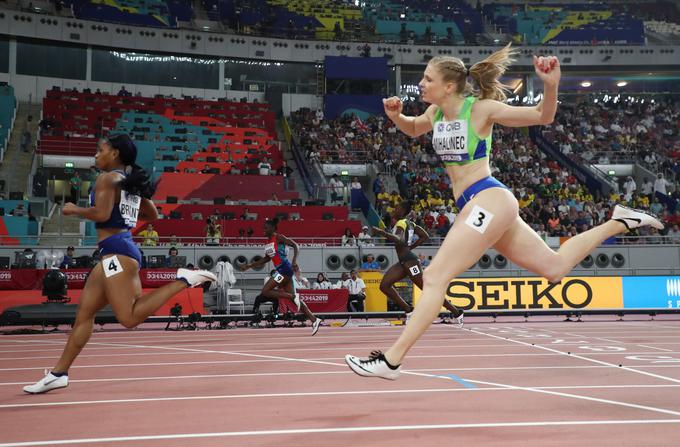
(542, 383)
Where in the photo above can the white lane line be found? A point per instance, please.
(444, 344)
(383, 428)
(554, 393)
(323, 373)
(600, 362)
(320, 393)
(658, 349)
(489, 368)
(146, 354)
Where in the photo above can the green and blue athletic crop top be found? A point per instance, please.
(456, 142)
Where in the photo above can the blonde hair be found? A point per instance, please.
(485, 73)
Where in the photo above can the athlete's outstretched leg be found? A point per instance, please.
(527, 249)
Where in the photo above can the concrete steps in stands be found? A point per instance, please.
(16, 166)
(60, 230)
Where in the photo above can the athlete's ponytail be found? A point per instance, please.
(487, 73)
(137, 180)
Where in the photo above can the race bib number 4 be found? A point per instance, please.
(112, 266)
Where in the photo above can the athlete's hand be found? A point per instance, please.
(548, 69)
(393, 107)
(69, 209)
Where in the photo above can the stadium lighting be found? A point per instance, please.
(621, 84)
(586, 84)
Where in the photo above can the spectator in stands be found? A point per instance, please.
(629, 187)
(69, 260)
(213, 231)
(244, 215)
(322, 283)
(149, 236)
(424, 261)
(660, 185)
(364, 239)
(206, 169)
(342, 282)
(647, 188)
(174, 241)
(370, 263)
(123, 92)
(356, 184)
(264, 167)
(378, 186)
(216, 215)
(673, 235)
(357, 293)
(274, 200)
(442, 223)
(285, 171)
(76, 183)
(19, 211)
(337, 188)
(348, 239)
(299, 281)
(172, 251)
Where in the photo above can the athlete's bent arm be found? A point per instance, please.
(540, 114)
(395, 239)
(290, 243)
(422, 237)
(413, 126)
(104, 200)
(258, 263)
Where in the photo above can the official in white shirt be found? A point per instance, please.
(357, 293)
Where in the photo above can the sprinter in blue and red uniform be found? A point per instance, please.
(280, 285)
(121, 196)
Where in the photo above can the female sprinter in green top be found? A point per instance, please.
(461, 120)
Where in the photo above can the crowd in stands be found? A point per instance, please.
(599, 132)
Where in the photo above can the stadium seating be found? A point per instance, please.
(155, 13)
(574, 24)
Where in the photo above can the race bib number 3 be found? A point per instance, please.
(112, 266)
(479, 219)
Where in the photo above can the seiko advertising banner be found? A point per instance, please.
(533, 293)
